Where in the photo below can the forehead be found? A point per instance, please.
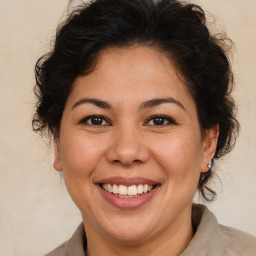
(147, 62)
(132, 73)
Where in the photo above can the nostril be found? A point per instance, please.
(126, 162)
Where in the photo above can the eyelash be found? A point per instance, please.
(85, 120)
(164, 120)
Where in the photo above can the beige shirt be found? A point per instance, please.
(210, 239)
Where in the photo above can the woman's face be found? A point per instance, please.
(130, 146)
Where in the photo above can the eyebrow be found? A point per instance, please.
(96, 102)
(147, 104)
(156, 102)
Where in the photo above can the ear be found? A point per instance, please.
(57, 156)
(209, 147)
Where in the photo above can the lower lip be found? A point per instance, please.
(128, 203)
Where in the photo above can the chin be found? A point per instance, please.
(129, 229)
(131, 234)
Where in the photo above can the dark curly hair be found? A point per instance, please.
(174, 27)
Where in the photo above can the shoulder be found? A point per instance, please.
(75, 246)
(238, 242)
(213, 239)
(59, 251)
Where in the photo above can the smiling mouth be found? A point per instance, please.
(131, 191)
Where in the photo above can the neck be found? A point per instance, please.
(170, 242)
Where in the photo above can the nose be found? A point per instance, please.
(127, 148)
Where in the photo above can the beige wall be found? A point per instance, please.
(36, 212)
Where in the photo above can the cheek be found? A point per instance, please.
(81, 154)
(180, 158)
(80, 157)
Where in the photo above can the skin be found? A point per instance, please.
(129, 144)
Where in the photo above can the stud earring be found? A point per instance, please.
(209, 166)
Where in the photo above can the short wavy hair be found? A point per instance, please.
(177, 28)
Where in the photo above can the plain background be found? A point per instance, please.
(36, 212)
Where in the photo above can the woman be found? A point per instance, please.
(136, 94)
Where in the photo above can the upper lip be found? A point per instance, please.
(127, 181)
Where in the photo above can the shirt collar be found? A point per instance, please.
(207, 238)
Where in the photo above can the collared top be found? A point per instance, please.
(210, 239)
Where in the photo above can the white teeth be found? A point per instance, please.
(109, 188)
(127, 191)
(115, 189)
(140, 189)
(145, 189)
(123, 190)
(132, 190)
(127, 196)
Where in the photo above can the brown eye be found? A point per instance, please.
(95, 120)
(159, 120)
